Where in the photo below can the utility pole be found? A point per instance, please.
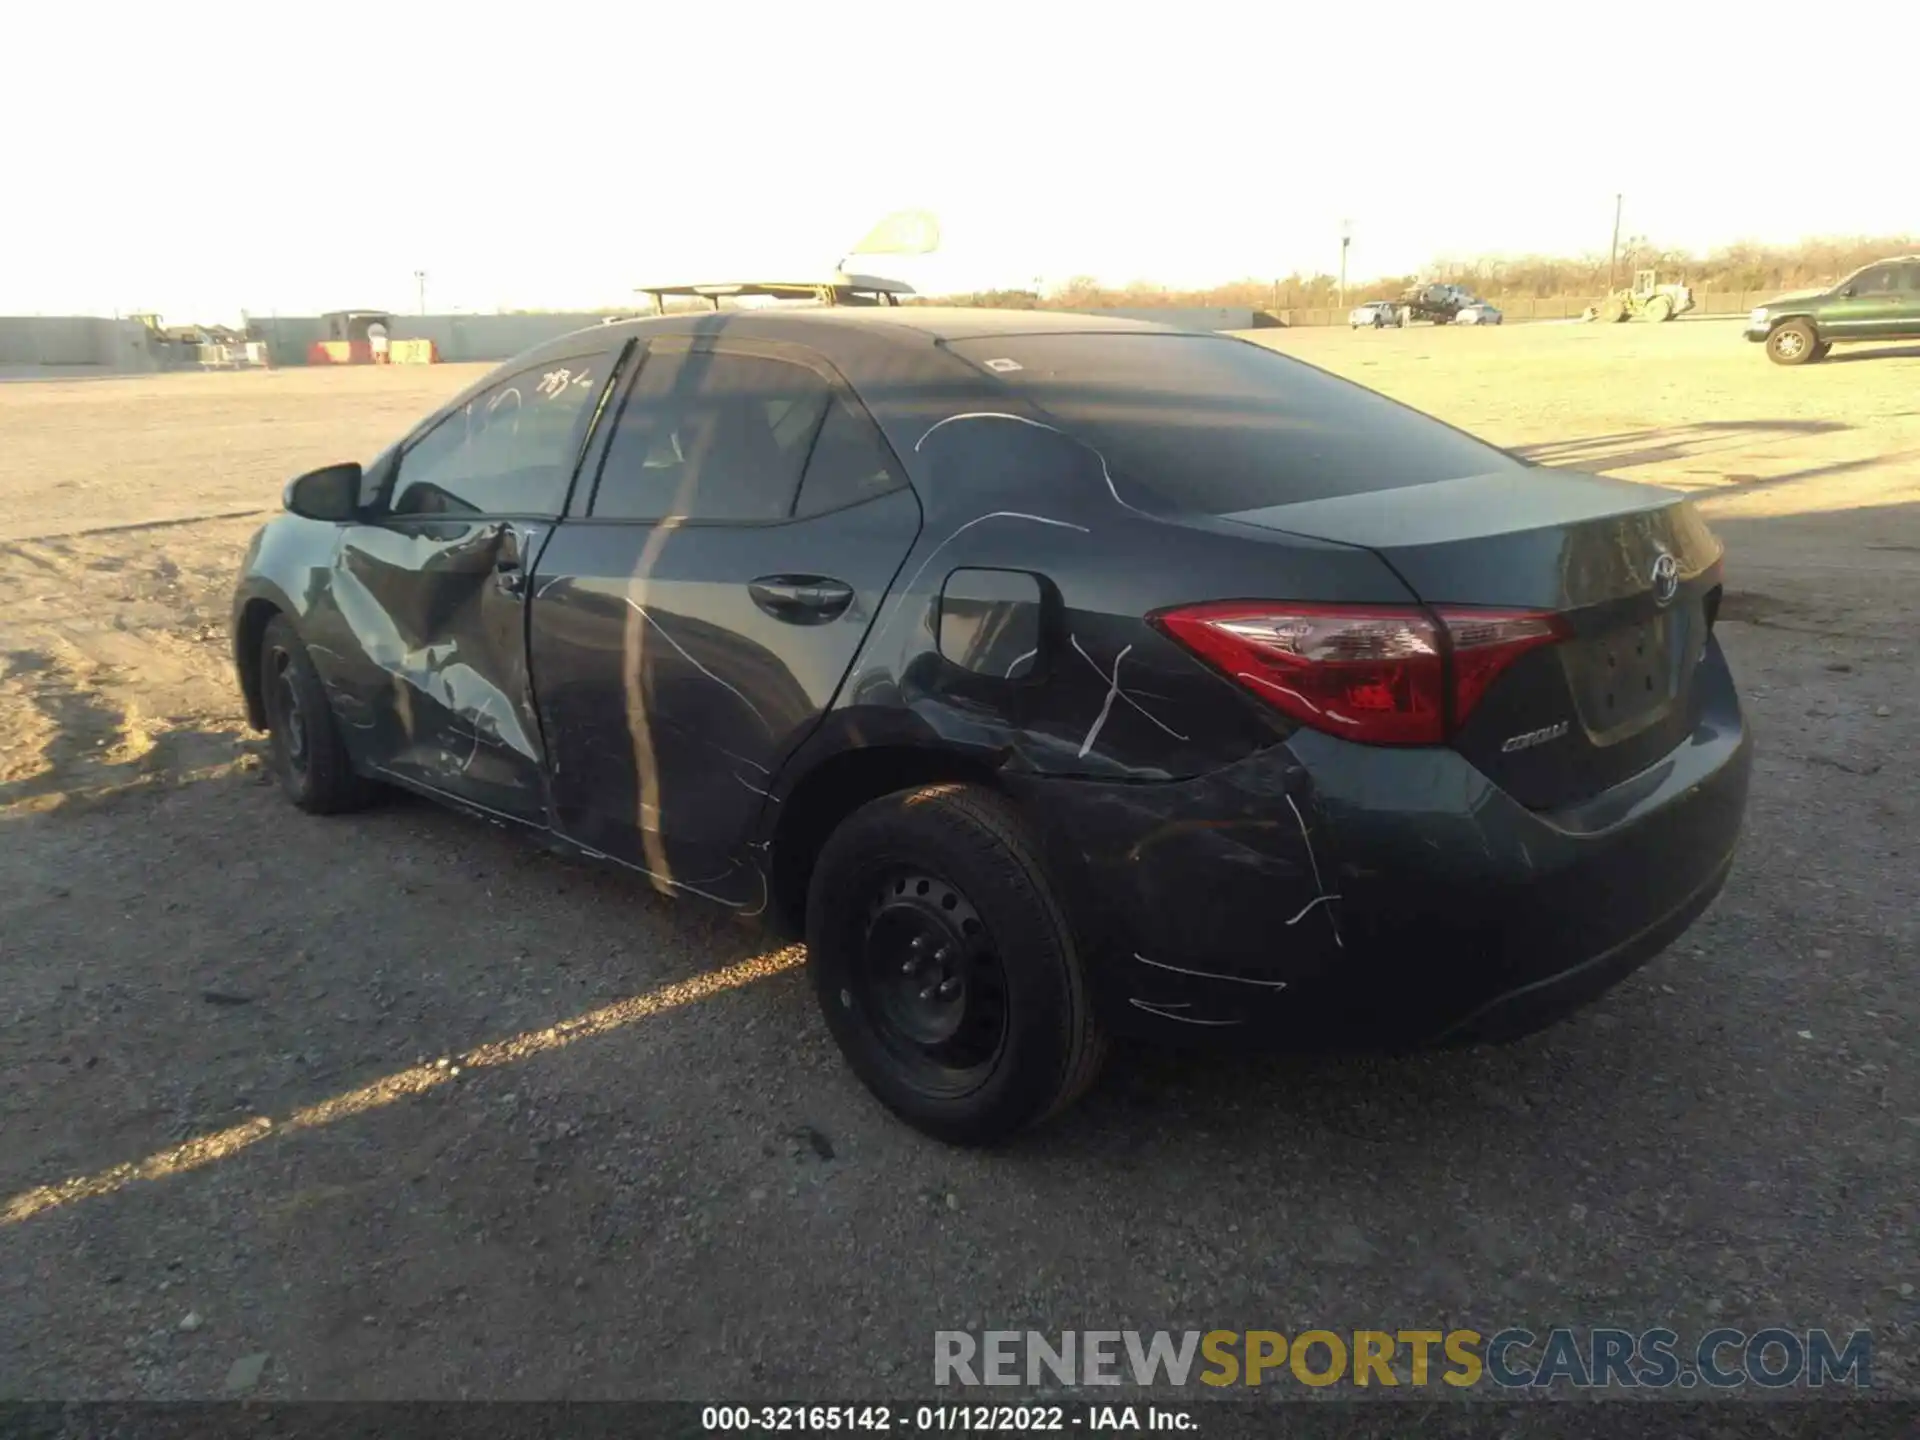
(1346, 239)
(420, 287)
(1613, 256)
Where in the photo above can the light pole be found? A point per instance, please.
(1346, 239)
(420, 288)
(1613, 256)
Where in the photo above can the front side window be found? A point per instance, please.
(508, 451)
(1880, 280)
(712, 436)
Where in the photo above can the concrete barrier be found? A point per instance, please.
(88, 342)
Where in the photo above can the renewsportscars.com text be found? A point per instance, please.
(1597, 1358)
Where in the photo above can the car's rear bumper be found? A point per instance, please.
(1529, 1006)
(1327, 894)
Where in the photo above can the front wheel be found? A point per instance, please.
(1793, 343)
(305, 750)
(945, 967)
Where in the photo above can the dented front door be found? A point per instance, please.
(435, 590)
(439, 609)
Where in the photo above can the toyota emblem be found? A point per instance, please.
(1666, 580)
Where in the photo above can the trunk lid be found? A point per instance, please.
(1632, 572)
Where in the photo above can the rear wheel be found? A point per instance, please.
(945, 967)
(305, 750)
(1793, 343)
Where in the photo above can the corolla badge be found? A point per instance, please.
(1530, 738)
(1666, 579)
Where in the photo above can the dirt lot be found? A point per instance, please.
(642, 1170)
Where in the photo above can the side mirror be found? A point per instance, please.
(331, 493)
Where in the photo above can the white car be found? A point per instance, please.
(1377, 313)
(1479, 312)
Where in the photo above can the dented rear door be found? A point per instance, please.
(434, 592)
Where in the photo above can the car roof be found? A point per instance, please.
(893, 356)
(935, 322)
(864, 342)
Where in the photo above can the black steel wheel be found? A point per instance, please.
(304, 746)
(931, 982)
(945, 967)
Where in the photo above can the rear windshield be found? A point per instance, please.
(1207, 424)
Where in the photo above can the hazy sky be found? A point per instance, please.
(198, 158)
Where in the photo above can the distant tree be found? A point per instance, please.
(1743, 266)
(1082, 292)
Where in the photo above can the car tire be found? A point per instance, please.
(945, 966)
(1792, 343)
(304, 747)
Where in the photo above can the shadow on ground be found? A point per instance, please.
(88, 746)
(1849, 354)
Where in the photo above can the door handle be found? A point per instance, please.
(801, 599)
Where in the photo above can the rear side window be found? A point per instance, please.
(711, 436)
(1210, 425)
(850, 463)
(1878, 281)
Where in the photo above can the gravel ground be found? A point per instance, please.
(395, 1106)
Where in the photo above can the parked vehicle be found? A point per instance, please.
(1054, 676)
(1478, 313)
(1646, 300)
(1880, 301)
(1438, 303)
(1380, 314)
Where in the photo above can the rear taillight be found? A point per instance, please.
(1379, 675)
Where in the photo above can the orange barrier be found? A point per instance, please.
(339, 352)
(412, 352)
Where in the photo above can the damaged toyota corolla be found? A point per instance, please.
(1054, 676)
